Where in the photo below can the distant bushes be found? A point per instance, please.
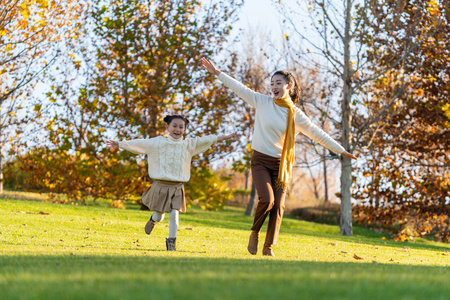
(326, 213)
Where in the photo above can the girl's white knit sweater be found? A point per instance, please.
(271, 119)
(169, 159)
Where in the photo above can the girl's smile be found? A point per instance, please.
(176, 128)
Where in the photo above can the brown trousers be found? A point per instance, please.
(271, 201)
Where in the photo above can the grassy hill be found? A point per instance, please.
(54, 251)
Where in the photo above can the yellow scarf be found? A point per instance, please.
(288, 153)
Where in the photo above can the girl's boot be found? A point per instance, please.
(170, 244)
(150, 226)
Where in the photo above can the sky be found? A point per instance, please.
(260, 13)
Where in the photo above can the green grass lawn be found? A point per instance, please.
(54, 251)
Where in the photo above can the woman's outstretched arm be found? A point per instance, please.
(209, 66)
(349, 155)
(112, 145)
(251, 97)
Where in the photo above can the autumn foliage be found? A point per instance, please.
(131, 63)
(406, 183)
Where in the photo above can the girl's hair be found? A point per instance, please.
(294, 92)
(168, 119)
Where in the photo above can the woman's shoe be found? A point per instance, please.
(253, 242)
(267, 251)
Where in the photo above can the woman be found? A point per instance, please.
(277, 122)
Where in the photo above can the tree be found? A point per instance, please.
(135, 61)
(29, 30)
(347, 35)
(408, 157)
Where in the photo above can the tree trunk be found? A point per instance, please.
(346, 174)
(325, 180)
(246, 179)
(251, 203)
(1, 164)
(1, 170)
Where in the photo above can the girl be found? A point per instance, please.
(277, 122)
(169, 161)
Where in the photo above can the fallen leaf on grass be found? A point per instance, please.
(43, 213)
(357, 257)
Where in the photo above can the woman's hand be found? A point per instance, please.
(112, 145)
(349, 155)
(209, 66)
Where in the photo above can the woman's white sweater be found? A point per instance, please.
(271, 120)
(169, 159)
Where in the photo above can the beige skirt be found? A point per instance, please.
(164, 196)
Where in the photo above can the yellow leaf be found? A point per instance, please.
(433, 7)
(24, 11)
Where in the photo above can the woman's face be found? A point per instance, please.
(279, 87)
(176, 128)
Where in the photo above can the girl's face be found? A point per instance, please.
(176, 128)
(279, 87)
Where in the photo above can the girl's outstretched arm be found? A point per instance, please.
(209, 66)
(226, 137)
(112, 145)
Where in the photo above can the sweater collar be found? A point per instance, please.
(174, 140)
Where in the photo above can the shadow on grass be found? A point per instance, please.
(178, 277)
(234, 219)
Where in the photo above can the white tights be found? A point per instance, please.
(173, 221)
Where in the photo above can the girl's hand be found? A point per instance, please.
(226, 137)
(209, 66)
(349, 155)
(112, 145)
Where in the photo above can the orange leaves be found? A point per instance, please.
(357, 257)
